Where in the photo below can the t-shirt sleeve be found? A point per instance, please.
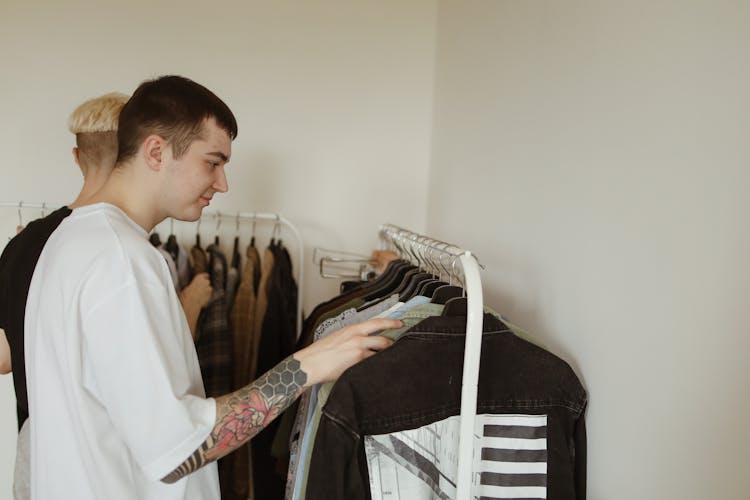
(139, 363)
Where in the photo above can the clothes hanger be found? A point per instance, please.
(155, 239)
(429, 271)
(198, 233)
(171, 245)
(457, 305)
(20, 226)
(218, 225)
(386, 285)
(380, 288)
(236, 248)
(391, 270)
(444, 293)
(410, 276)
(272, 244)
(447, 291)
(427, 288)
(277, 230)
(252, 235)
(413, 285)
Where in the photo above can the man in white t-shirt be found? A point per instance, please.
(113, 378)
(94, 124)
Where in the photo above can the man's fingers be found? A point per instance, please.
(376, 343)
(375, 325)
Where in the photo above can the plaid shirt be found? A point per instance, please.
(213, 337)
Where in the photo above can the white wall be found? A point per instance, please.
(593, 154)
(596, 156)
(333, 100)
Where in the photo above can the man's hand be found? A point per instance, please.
(326, 359)
(5, 366)
(198, 292)
(382, 258)
(193, 297)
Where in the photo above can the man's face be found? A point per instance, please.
(193, 179)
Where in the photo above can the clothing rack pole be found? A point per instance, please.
(472, 351)
(473, 343)
(23, 205)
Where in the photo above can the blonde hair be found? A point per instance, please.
(97, 115)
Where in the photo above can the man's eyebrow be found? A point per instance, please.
(221, 155)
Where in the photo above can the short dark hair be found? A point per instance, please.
(173, 107)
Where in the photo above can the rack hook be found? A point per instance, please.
(20, 220)
(458, 279)
(443, 253)
(276, 227)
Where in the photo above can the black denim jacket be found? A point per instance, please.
(417, 381)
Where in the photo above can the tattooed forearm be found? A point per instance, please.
(193, 463)
(244, 413)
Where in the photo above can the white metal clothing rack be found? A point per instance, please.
(423, 250)
(206, 215)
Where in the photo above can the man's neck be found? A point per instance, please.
(130, 194)
(93, 182)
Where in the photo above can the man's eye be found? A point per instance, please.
(213, 164)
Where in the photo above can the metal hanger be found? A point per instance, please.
(217, 216)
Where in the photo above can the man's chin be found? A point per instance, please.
(190, 215)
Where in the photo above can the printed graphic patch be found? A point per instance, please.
(510, 460)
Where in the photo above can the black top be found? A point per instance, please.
(417, 382)
(16, 269)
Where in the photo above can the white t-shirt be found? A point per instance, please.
(115, 390)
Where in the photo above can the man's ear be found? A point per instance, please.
(77, 159)
(153, 151)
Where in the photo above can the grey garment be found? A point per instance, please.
(333, 324)
(374, 310)
(352, 317)
(22, 473)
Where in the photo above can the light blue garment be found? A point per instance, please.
(387, 312)
(302, 447)
(305, 449)
(408, 305)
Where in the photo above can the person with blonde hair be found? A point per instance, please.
(94, 124)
